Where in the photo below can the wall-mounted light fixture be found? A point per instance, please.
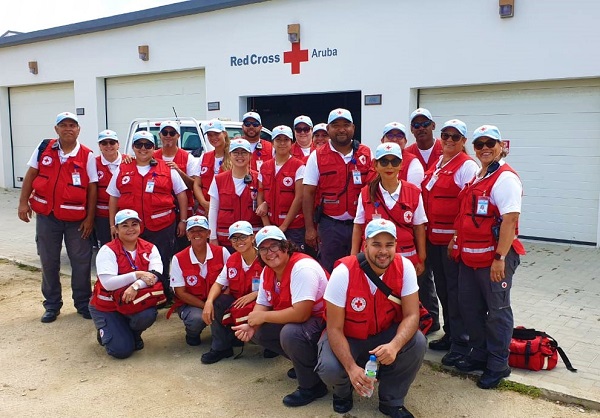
(506, 8)
(294, 33)
(33, 67)
(143, 52)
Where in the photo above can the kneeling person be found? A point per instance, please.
(362, 321)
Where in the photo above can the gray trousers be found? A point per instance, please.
(336, 241)
(394, 379)
(192, 319)
(427, 292)
(50, 233)
(298, 342)
(485, 307)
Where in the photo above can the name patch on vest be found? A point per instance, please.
(358, 304)
(191, 280)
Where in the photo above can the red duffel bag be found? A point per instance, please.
(535, 350)
(145, 298)
(236, 316)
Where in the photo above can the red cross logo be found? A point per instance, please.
(295, 57)
(236, 226)
(388, 147)
(483, 129)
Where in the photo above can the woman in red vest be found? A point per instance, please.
(320, 136)
(280, 188)
(443, 182)
(411, 169)
(126, 266)
(303, 146)
(488, 251)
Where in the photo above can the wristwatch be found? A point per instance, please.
(499, 256)
(135, 286)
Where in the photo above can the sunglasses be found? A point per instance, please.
(454, 137)
(418, 125)
(248, 124)
(108, 142)
(238, 238)
(302, 130)
(164, 132)
(272, 248)
(384, 162)
(391, 135)
(140, 145)
(480, 144)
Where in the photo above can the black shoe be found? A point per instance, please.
(301, 397)
(269, 354)
(395, 411)
(291, 373)
(490, 379)
(443, 344)
(467, 364)
(85, 312)
(50, 315)
(193, 341)
(213, 356)
(342, 405)
(98, 337)
(139, 343)
(451, 358)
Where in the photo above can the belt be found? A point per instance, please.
(344, 222)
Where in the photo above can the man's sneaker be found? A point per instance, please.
(490, 379)
(342, 405)
(50, 316)
(301, 397)
(395, 411)
(214, 355)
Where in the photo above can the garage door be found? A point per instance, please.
(154, 96)
(554, 133)
(33, 110)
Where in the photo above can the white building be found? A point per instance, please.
(535, 75)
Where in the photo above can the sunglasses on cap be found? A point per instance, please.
(480, 144)
(384, 162)
(166, 132)
(417, 125)
(302, 130)
(108, 142)
(140, 145)
(391, 135)
(247, 124)
(455, 137)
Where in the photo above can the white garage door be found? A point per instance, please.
(554, 133)
(33, 111)
(154, 96)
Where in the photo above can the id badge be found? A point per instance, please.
(76, 179)
(482, 205)
(431, 182)
(255, 282)
(356, 177)
(259, 164)
(150, 186)
(376, 216)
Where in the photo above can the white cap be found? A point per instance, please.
(377, 226)
(126, 214)
(269, 232)
(240, 227)
(169, 123)
(196, 220)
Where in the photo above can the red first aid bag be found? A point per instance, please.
(145, 298)
(535, 350)
(425, 319)
(236, 316)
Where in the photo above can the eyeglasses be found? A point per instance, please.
(164, 132)
(248, 124)
(271, 248)
(384, 162)
(140, 145)
(108, 142)
(242, 153)
(418, 125)
(237, 238)
(480, 144)
(454, 137)
(391, 135)
(302, 130)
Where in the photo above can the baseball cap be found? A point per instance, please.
(196, 220)
(490, 131)
(169, 123)
(253, 115)
(339, 113)
(107, 134)
(320, 127)
(282, 130)
(240, 227)
(303, 119)
(459, 125)
(214, 125)
(66, 115)
(143, 135)
(421, 112)
(394, 125)
(377, 226)
(388, 148)
(126, 214)
(239, 143)
(269, 232)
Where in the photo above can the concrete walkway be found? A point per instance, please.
(556, 289)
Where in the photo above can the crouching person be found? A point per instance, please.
(362, 320)
(193, 271)
(288, 315)
(128, 288)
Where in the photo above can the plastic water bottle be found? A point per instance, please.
(371, 371)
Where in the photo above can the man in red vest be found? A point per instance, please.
(362, 321)
(107, 163)
(60, 186)
(261, 149)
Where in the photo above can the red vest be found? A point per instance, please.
(433, 157)
(157, 208)
(233, 208)
(53, 188)
(265, 154)
(407, 158)
(104, 176)
(401, 214)
(181, 159)
(195, 284)
(240, 281)
(336, 188)
(299, 153)
(280, 191)
(207, 173)
(280, 296)
(476, 242)
(441, 202)
(102, 299)
(368, 314)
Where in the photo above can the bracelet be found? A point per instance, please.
(183, 221)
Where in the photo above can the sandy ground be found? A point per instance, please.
(59, 369)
